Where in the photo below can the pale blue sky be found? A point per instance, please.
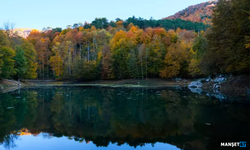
(60, 13)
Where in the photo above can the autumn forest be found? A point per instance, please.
(132, 49)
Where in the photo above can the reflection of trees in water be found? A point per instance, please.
(16, 111)
(133, 116)
(9, 141)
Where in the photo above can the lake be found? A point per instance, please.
(51, 118)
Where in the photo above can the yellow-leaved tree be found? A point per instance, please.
(56, 61)
(174, 59)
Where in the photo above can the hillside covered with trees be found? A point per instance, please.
(17, 57)
(133, 48)
(197, 13)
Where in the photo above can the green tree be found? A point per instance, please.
(7, 62)
(156, 54)
(3, 39)
(30, 56)
(132, 64)
(89, 70)
(120, 49)
(227, 52)
(197, 52)
(20, 63)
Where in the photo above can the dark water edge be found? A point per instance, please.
(122, 117)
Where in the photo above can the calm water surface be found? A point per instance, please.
(74, 118)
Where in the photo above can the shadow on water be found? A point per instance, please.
(130, 116)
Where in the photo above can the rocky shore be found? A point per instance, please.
(222, 85)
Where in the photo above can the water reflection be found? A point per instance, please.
(124, 117)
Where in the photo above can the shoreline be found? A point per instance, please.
(133, 83)
(233, 86)
(127, 83)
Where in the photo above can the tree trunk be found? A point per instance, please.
(58, 69)
(96, 49)
(88, 52)
(43, 65)
(146, 63)
(40, 66)
(80, 51)
(74, 57)
(47, 65)
(69, 61)
(141, 68)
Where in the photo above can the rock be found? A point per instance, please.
(195, 87)
(178, 87)
(195, 84)
(196, 90)
(217, 83)
(218, 96)
(177, 79)
(220, 80)
(216, 87)
(202, 80)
